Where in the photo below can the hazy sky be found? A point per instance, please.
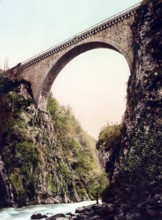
(93, 83)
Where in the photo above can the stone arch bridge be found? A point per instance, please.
(41, 70)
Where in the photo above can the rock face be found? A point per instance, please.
(108, 145)
(6, 190)
(42, 163)
(134, 169)
(117, 211)
(137, 173)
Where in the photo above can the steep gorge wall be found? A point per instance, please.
(34, 163)
(137, 169)
(45, 158)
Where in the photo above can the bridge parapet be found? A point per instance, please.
(107, 23)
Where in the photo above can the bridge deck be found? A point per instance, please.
(89, 31)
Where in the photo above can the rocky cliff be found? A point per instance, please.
(136, 171)
(140, 158)
(46, 157)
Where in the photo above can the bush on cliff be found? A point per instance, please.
(108, 146)
(110, 135)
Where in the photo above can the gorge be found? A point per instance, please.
(131, 152)
(46, 157)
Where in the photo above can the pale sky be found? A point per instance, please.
(94, 83)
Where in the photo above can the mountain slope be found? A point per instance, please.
(47, 157)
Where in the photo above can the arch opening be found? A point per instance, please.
(66, 58)
(95, 90)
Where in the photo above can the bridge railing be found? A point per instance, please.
(86, 31)
(103, 22)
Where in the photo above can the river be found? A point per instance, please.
(25, 213)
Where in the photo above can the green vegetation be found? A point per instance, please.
(98, 184)
(141, 158)
(109, 144)
(47, 156)
(78, 148)
(110, 135)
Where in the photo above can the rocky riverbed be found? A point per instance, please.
(151, 209)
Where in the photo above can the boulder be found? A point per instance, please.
(38, 216)
(58, 216)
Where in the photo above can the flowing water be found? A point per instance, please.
(25, 213)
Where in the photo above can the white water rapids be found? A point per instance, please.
(25, 213)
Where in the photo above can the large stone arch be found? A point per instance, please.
(41, 70)
(67, 57)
